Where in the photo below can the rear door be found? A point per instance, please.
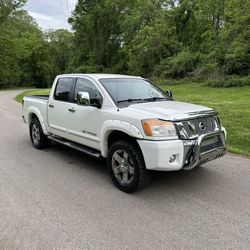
(59, 106)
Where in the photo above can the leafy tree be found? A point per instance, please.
(8, 7)
(156, 38)
(24, 57)
(97, 32)
(9, 68)
(60, 48)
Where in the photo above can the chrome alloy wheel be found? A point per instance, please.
(35, 134)
(122, 167)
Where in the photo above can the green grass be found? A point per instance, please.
(233, 105)
(19, 97)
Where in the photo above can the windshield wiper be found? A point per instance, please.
(143, 100)
(130, 100)
(155, 98)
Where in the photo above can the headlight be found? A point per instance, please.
(158, 128)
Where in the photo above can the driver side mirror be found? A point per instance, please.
(169, 93)
(83, 99)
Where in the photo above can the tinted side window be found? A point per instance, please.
(63, 89)
(84, 85)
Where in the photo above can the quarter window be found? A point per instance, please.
(63, 89)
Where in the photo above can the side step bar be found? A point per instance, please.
(76, 146)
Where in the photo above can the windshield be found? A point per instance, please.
(126, 90)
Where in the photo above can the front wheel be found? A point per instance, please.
(38, 138)
(126, 166)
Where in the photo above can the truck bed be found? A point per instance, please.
(44, 97)
(38, 105)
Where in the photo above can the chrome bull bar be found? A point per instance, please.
(195, 156)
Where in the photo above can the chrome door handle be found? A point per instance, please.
(51, 105)
(72, 110)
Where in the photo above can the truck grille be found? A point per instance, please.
(211, 143)
(191, 128)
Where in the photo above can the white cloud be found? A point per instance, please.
(51, 14)
(49, 22)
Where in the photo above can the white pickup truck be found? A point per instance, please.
(129, 121)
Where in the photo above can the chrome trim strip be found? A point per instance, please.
(58, 128)
(195, 115)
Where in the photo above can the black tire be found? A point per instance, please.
(135, 160)
(41, 141)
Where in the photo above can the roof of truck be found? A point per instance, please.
(99, 76)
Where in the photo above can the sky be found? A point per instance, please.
(51, 14)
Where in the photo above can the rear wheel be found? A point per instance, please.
(126, 166)
(38, 138)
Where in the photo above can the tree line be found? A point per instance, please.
(204, 40)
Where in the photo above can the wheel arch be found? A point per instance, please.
(115, 130)
(35, 113)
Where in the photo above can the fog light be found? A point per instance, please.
(172, 158)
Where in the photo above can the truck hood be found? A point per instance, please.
(171, 110)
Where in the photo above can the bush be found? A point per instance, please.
(88, 69)
(230, 81)
(180, 65)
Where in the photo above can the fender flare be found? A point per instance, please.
(34, 110)
(116, 125)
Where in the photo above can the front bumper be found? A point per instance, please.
(198, 153)
(188, 153)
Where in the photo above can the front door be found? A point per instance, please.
(85, 121)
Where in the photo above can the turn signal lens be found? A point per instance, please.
(158, 128)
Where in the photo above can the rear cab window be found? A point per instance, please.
(64, 89)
